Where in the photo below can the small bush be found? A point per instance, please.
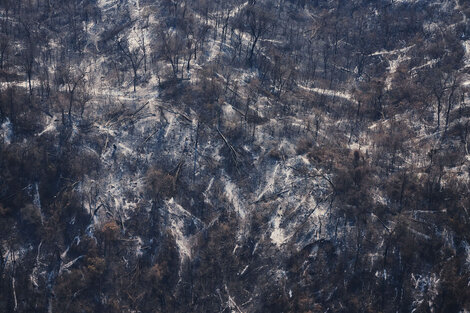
(4, 210)
(96, 266)
(304, 145)
(31, 214)
(276, 154)
(110, 231)
(159, 184)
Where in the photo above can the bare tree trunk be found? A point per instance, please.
(252, 50)
(14, 293)
(195, 151)
(135, 80)
(29, 83)
(449, 105)
(439, 107)
(70, 108)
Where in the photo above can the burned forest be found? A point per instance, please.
(234, 156)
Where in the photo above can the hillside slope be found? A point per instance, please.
(232, 156)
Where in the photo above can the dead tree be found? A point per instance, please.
(134, 56)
